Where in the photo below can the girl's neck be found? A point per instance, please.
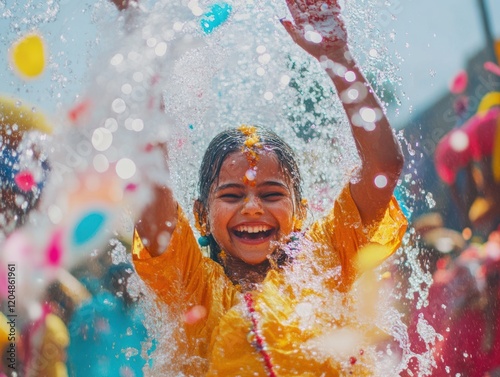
(244, 274)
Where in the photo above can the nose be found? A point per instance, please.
(252, 206)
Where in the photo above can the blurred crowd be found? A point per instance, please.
(464, 297)
(87, 323)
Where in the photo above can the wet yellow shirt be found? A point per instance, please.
(293, 307)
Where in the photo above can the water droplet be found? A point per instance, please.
(126, 88)
(368, 115)
(55, 214)
(100, 163)
(111, 124)
(102, 138)
(116, 59)
(380, 181)
(118, 105)
(264, 59)
(125, 168)
(161, 49)
(251, 174)
(459, 141)
(313, 36)
(430, 200)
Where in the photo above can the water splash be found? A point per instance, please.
(213, 82)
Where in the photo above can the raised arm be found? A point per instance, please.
(159, 218)
(320, 31)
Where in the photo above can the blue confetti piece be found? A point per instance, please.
(218, 14)
(400, 198)
(88, 227)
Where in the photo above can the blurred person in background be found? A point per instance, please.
(467, 159)
(107, 334)
(23, 170)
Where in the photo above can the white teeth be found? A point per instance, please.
(253, 229)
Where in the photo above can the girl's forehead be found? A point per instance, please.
(237, 168)
(266, 161)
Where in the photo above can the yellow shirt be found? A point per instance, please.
(293, 306)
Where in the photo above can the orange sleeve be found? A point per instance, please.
(182, 276)
(342, 232)
(169, 273)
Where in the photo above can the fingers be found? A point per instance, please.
(293, 31)
(294, 8)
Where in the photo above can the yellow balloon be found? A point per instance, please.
(22, 115)
(28, 56)
(488, 101)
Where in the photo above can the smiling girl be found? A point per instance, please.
(264, 297)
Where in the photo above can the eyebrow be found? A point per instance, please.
(242, 186)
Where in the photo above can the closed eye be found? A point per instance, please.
(230, 197)
(273, 196)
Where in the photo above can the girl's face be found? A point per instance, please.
(246, 219)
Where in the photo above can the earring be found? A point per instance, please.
(203, 241)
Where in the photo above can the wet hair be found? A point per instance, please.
(231, 141)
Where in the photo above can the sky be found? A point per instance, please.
(431, 43)
(435, 40)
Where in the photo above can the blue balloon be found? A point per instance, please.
(218, 14)
(88, 227)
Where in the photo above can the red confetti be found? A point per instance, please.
(459, 83)
(24, 180)
(492, 67)
(352, 360)
(78, 110)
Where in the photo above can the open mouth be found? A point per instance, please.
(258, 232)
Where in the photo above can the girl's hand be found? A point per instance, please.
(317, 27)
(122, 4)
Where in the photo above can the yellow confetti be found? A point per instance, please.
(28, 56)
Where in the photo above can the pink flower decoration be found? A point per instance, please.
(24, 180)
(492, 67)
(459, 83)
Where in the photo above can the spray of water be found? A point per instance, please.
(169, 76)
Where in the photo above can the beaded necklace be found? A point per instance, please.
(255, 337)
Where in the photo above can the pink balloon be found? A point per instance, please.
(459, 83)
